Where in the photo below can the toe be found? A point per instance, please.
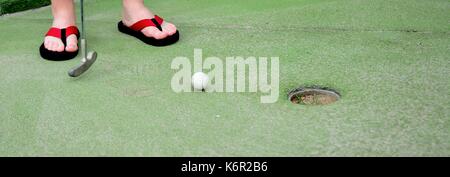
(169, 28)
(60, 47)
(47, 44)
(54, 46)
(72, 43)
(71, 48)
(154, 32)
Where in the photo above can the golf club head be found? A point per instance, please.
(84, 66)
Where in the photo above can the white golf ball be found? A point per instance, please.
(200, 81)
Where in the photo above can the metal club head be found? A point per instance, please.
(86, 63)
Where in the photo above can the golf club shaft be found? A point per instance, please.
(83, 33)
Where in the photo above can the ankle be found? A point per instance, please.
(63, 21)
(132, 14)
(133, 3)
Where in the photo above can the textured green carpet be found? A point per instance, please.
(388, 58)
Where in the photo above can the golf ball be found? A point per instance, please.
(200, 81)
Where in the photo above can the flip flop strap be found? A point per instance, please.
(63, 33)
(56, 32)
(72, 30)
(156, 22)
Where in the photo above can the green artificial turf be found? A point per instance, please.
(389, 59)
(11, 6)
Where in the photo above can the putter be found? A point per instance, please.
(88, 57)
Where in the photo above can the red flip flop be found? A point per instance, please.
(135, 30)
(61, 34)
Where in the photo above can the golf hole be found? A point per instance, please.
(313, 96)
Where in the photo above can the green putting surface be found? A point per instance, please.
(388, 58)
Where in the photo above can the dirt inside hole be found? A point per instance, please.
(313, 96)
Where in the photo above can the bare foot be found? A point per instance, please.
(63, 16)
(135, 10)
(55, 44)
